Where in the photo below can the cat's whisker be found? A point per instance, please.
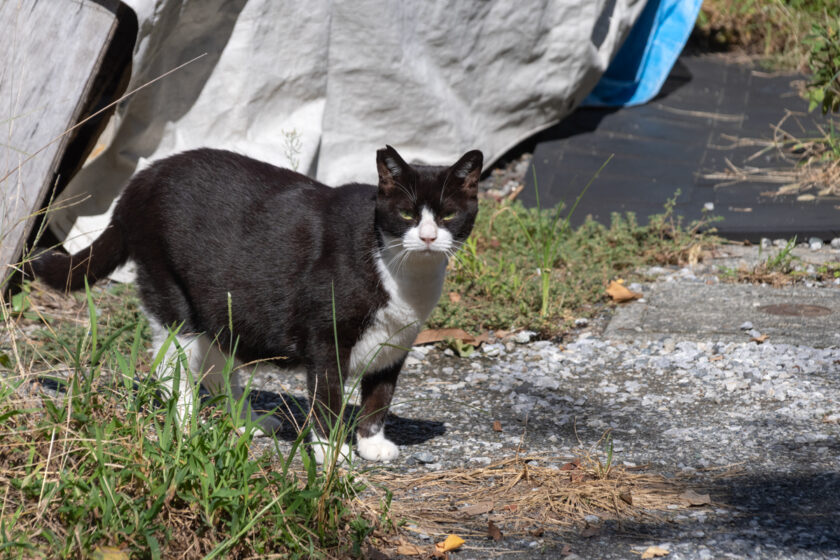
(443, 188)
(404, 256)
(411, 195)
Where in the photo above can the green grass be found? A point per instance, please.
(775, 30)
(498, 275)
(824, 63)
(106, 463)
(56, 323)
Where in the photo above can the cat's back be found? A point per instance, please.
(205, 178)
(221, 201)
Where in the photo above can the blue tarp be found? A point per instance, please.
(644, 61)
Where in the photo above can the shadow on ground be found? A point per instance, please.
(776, 512)
(292, 411)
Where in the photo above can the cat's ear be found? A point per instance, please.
(467, 170)
(392, 168)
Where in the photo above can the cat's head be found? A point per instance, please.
(424, 209)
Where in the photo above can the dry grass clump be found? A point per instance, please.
(810, 162)
(524, 496)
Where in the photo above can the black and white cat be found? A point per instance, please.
(209, 227)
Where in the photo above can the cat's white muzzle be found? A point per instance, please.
(427, 236)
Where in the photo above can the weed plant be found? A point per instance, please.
(824, 62)
(545, 234)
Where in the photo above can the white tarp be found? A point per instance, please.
(320, 85)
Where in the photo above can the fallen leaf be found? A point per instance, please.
(408, 549)
(493, 532)
(760, 338)
(619, 292)
(831, 419)
(696, 499)
(654, 552)
(478, 509)
(452, 542)
(497, 426)
(429, 336)
(577, 477)
(109, 553)
(694, 254)
(454, 297)
(463, 349)
(571, 466)
(590, 531)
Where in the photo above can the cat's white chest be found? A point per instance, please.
(413, 294)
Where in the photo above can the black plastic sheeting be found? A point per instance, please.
(676, 139)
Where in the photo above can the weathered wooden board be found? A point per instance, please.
(49, 54)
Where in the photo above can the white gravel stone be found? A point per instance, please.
(524, 337)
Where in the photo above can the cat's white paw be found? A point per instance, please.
(322, 450)
(261, 430)
(268, 424)
(377, 447)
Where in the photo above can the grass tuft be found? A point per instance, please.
(92, 455)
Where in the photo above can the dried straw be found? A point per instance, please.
(523, 494)
(812, 164)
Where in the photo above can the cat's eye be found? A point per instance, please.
(406, 215)
(449, 217)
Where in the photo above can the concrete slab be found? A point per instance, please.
(698, 311)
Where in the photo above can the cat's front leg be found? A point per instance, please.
(180, 359)
(326, 386)
(377, 392)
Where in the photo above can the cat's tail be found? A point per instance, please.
(68, 272)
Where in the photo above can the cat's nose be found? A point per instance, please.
(428, 233)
